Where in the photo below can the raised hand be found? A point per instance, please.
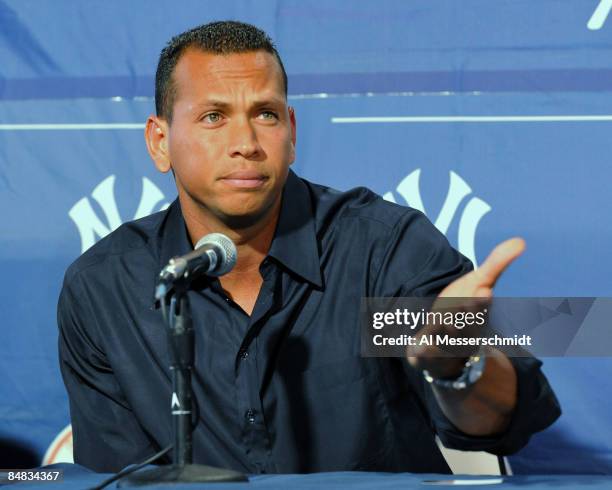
(476, 284)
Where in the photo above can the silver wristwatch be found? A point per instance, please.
(472, 371)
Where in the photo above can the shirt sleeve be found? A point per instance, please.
(419, 262)
(106, 434)
(537, 408)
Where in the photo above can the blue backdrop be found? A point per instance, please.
(494, 117)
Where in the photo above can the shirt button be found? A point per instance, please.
(243, 354)
(250, 416)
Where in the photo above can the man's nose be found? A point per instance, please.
(243, 140)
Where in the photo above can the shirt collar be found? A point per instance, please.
(294, 244)
(174, 239)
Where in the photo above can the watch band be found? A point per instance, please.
(472, 372)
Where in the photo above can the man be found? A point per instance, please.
(279, 381)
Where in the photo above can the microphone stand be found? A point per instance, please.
(181, 349)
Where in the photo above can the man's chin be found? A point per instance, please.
(241, 221)
(240, 214)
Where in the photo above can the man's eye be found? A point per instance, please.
(213, 117)
(268, 115)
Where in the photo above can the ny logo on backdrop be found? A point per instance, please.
(458, 190)
(91, 227)
(600, 15)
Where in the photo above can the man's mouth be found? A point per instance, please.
(245, 179)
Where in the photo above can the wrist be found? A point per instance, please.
(446, 368)
(469, 373)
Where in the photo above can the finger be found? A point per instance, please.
(468, 286)
(484, 292)
(499, 259)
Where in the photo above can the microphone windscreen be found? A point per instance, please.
(225, 248)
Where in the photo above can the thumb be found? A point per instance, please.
(499, 260)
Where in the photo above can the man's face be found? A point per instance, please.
(232, 136)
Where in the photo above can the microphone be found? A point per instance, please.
(214, 255)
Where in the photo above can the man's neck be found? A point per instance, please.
(252, 242)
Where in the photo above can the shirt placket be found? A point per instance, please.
(255, 433)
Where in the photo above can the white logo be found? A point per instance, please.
(600, 15)
(458, 190)
(175, 402)
(89, 224)
(60, 450)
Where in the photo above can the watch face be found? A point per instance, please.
(471, 373)
(476, 369)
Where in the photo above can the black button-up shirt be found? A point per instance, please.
(285, 389)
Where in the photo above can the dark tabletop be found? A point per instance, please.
(77, 477)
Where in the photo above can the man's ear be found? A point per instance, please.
(293, 123)
(156, 137)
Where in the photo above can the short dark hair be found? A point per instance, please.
(223, 37)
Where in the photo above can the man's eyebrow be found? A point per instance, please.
(268, 101)
(220, 104)
(212, 103)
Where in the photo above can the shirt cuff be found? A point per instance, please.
(537, 408)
